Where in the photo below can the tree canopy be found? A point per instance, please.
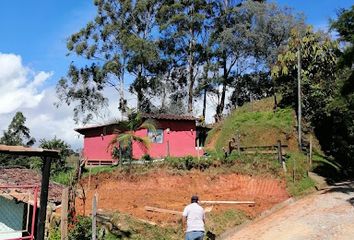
(170, 52)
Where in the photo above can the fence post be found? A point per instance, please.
(310, 151)
(64, 214)
(168, 148)
(89, 180)
(238, 142)
(280, 154)
(198, 149)
(94, 215)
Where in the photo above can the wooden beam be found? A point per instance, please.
(43, 197)
(28, 151)
(161, 210)
(228, 202)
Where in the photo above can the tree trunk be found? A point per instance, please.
(221, 105)
(204, 103)
(191, 65)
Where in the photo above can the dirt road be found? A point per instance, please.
(328, 214)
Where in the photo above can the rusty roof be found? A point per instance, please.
(145, 116)
(11, 180)
(169, 116)
(28, 151)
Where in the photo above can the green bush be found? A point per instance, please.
(82, 229)
(189, 162)
(54, 234)
(146, 157)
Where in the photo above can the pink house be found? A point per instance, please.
(176, 136)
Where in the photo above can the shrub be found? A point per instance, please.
(146, 157)
(81, 230)
(189, 162)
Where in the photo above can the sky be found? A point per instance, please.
(33, 57)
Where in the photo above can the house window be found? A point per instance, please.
(156, 136)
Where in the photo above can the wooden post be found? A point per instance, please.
(299, 96)
(168, 148)
(310, 151)
(280, 153)
(64, 214)
(94, 216)
(43, 197)
(198, 148)
(238, 142)
(89, 180)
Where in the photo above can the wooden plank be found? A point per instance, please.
(268, 146)
(64, 214)
(94, 216)
(261, 152)
(227, 202)
(161, 210)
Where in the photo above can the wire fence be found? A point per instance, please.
(18, 207)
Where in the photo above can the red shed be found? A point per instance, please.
(175, 136)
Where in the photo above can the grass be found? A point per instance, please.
(63, 177)
(298, 182)
(129, 227)
(257, 124)
(261, 126)
(99, 169)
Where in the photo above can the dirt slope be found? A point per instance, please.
(165, 190)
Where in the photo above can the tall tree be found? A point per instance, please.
(337, 131)
(318, 59)
(181, 24)
(116, 43)
(57, 144)
(248, 36)
(17, 134)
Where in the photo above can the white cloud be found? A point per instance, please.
(19, 85)
(23, 89)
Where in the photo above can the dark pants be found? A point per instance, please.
(195, 235)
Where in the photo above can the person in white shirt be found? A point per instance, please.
(193, 220)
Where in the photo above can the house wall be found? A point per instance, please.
(11, 218)
(180, 139)
(96, 146)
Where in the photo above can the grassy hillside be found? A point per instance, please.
(257, 124)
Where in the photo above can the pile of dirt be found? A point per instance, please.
(130, 194)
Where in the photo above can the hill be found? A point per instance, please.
(257, 124)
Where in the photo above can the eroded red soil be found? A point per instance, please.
(170, 191)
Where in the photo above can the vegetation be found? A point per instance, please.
(166, 46)
(17, 134)
(256, 127)
(127, 135)
(59, 165)
(327, 87)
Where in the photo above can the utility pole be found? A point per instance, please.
(299, 94)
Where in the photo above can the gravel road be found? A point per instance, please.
(325, 215)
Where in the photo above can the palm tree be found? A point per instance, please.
(126, 133)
